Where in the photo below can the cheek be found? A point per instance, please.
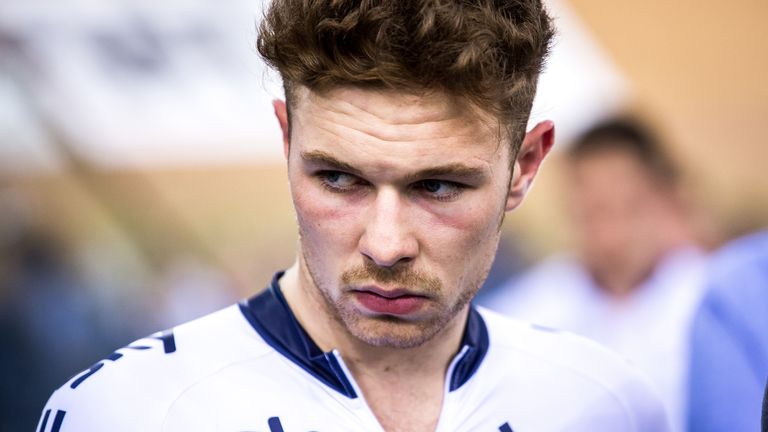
(463, 233)
(322, 217)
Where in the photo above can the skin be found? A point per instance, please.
(625, 218)
(397, 194)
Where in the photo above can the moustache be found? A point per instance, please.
(399, 276)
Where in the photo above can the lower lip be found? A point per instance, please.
(402, 305)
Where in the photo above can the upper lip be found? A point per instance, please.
(388, 293)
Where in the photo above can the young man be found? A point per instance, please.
(403, 130)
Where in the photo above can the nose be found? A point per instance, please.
(388, 239)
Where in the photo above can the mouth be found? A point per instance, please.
(397, 302)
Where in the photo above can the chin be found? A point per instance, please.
(392, 332)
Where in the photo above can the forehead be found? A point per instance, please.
(395, 125)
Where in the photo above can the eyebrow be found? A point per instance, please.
(453, 170)
(319, 157)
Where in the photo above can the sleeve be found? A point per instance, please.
(725, 387)
(86, 411)
(126, 392)
(70, 412)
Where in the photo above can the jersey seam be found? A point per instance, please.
(583, 375)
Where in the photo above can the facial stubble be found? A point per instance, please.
(387, 330)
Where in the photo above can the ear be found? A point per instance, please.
(281, 112)
(536, 144)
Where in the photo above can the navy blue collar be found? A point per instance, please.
(270, 315)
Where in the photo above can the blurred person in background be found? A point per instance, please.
(405, 142)
(729, 354)
(49, 325)
(636, 278)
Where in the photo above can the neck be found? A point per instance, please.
(403, 387)
(312, 312)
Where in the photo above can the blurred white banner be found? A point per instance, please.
(148, 83)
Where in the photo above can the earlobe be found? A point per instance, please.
(517, 188)
(536, 144)
(281, 112)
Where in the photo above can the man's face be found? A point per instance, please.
(399, 200)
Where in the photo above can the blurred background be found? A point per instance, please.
(141, 179)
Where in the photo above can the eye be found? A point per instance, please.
(441, 190)
(337, 181)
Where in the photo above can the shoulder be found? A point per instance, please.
(737, 278)
(731, 319)
(133, 388)
(739, 267)
(596, 378)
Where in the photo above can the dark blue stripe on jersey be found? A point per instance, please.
(476, 340)
(58, 420)
(114, 356)
(95, 368)
(169, 341)
(269, 314)
(45, 420)
(336, 367)
(505, 428)
(274, 424)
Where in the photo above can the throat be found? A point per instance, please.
(404, 388)
(401, 403)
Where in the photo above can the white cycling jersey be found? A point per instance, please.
(251, 367)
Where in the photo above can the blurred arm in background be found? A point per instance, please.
(729, 358)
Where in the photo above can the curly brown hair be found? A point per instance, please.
(488, 51)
